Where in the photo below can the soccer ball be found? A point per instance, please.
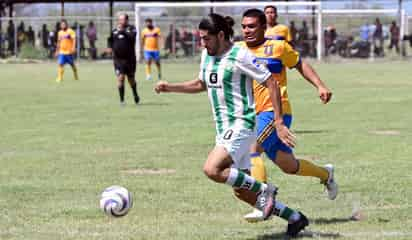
(116, 201)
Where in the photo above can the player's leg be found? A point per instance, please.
(148, 64)
(157, 62)
(120, 76)
(230, 154)
(132, 81)
(70, 61)
(120, 86)
(60, 67)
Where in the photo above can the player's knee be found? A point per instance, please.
(288, 168)
(212, 173)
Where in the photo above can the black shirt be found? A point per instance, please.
(123, 42)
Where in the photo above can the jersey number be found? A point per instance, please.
(228, 135)
(213, 78)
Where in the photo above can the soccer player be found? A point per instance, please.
(274, 30)
(122, 43)
(227, 73)
(276, 55)
(66, 45)
(150, 41)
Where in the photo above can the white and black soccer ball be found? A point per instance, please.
(116, 201)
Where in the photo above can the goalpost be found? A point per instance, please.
(241, 6)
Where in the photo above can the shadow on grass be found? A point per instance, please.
(331, 220)
(153, 104)
(310, 131)
(310, 234)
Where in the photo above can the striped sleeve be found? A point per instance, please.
(249, 66)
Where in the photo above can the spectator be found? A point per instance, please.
(10, 37)
(21, 35)
(395, 35)
(91, 33)
(378, 38)
(303, 40)
(293, 32)
(172, 38)
(30, 36)
(186, 41)
(81, 40)
(44, 36)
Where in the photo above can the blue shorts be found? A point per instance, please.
(155, 55)
(65, 59)
(267, 136)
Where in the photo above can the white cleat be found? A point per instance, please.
(331, 186)
(255, 216)
(149, 78)
(266, 201)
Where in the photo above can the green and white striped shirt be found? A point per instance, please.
(229, 80)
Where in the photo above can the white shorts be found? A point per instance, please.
(237, 143)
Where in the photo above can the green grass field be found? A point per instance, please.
(61, 145)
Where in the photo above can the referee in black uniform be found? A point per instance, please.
(122, 43)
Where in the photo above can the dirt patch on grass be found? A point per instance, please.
(149, 171)
(386, 132)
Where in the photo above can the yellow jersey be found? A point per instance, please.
(276, 55)
(151, 39)
(278, 32)
(67, 41)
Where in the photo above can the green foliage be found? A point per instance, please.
(27, 51)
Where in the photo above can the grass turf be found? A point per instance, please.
(62, 144)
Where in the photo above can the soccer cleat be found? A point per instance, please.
(137, 100)
(122, 104)
(297, 226)
(255, 216)
(58, 80)
(266, 201)
(148, 77)
(330, 185)
(159, 77)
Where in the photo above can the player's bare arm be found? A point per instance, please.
(307, 71)
(285, 135)
(193, 86)
(56, 53)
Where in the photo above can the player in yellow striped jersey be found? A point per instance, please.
(275, 30)
(66, 45)
(277, 55)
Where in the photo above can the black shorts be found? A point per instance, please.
(125, 67)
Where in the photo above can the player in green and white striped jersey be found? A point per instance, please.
(227, 72)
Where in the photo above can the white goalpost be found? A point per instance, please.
(245, 5)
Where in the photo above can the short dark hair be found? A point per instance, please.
(256, 13)
(270, 6)
(64, 21)
(149, 20)
(216, 23)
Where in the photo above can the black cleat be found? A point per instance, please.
(296, 227)
(137, 100)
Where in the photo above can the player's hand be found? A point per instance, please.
(285, 135)
(161, 87)
(324, 94)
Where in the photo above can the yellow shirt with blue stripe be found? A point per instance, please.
(276, 55)
(151, 39)
(278, 32)
(67, 40)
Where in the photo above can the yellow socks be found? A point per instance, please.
(258, 170)
(307, 168)
(60, 72)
